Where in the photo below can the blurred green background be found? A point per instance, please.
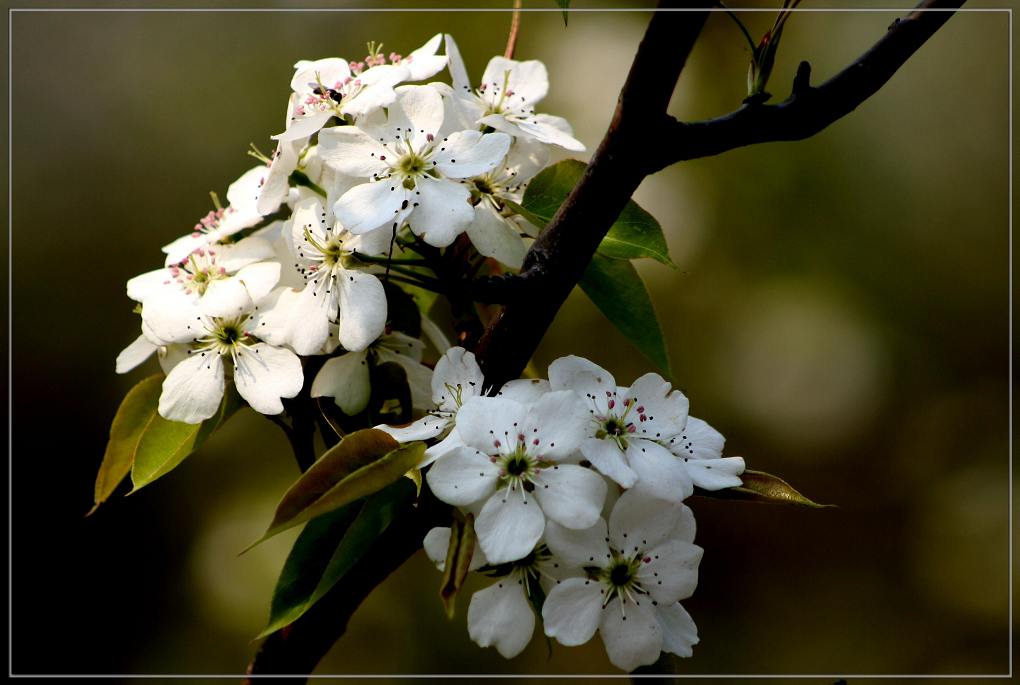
(840, 314)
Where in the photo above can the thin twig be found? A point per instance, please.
(515, 26)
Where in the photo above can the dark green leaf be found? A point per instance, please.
(145, 444)
(361, 464)
(306, 564)
(564, 4)
(458, 561)
(635, 234)
(762, 487)
(617, 290)
(327, 549)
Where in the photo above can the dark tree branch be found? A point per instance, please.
(642, 139)
(561, 253)
(808, 110)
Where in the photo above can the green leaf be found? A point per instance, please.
(635, 234)
(617, 290)
(763, 487)
(328, 548)
(145, 444)
(125, 432)
(361, 464)
(458, 561)
(564, 4)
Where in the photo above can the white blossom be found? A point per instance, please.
(511, 460)
(262, 373)
(505, 99)
(220, 278)
(412, 173)
(628, 428)
(700, 446)
(629, 577)
(347, 378)
(240, 213)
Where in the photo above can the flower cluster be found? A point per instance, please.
(574, 485)
(576, 489)
(370, 172)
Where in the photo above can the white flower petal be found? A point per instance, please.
(178, 250)
(455, 371)
(418, 109)
(545, 129)
(464, 154)
(579, 548)
(642, 521)
(633, 638)
(373, 97)
(558, 420)
(572, 611)
(232, 257)
(352, 152)
(308, 74)
(259, 279)
(441, 448)
(493, 236)
(425, 428)
(423, 63)
(698, 441)
(510, 524)
(571, 495)
(305, 227)
(679, 634)
(671, 571)
(464, 475)
(308, 324)
(171, 355)
(134, 354)
(436, 544)
(225, 297)
(658, 411)
(660, 474)
(362, 316)
(346, 379)
(172, 317)
(500, 616)
(609, 459)
(458, 73)
(482, 421)
(526, 82)
(443, 211)
(524, 390)
(243, 194)
(370, 205)
(586, 378)
(716, 474)
(264, 374)
(193, 389)
(148, 284)
(419, 377)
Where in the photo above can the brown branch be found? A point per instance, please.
(515, 27)
(561, 253)
(809, 109)
(642, 139)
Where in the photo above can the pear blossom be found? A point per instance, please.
(502, 614)
(511, 460)
(628, 428)
(347, 378)
(240, 213)
(326, 88)
(142, 348)
(628, 579)
(492, 232)
(335, 291)
(412, 172)
(505, 99)
(700, 446)
(219, 277)
(262, 373)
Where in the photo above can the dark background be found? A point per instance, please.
(840, 314)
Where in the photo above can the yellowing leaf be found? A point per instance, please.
(759, 486)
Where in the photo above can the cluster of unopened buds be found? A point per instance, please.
(575, 486)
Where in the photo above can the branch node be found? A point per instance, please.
(802, 80)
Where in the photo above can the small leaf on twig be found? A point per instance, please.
(458, 561)
(759, 486)
(617, 290)
(361, 464)
(564, 5)
(145, 444)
